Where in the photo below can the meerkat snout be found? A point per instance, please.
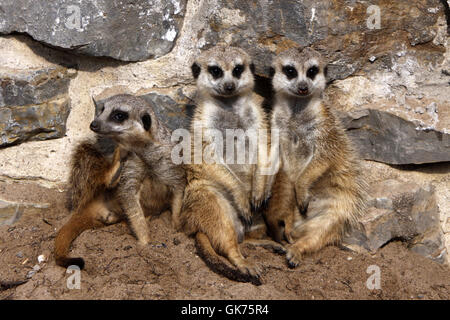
(95, 126)
(303, 88)
(229, 87)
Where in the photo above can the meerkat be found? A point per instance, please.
(318, 193)
(94, 175)
(149, 183)
(219, 196)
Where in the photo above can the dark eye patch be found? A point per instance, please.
(290, 72)
(146, 121)
(271, 72)
(215, 71)
(312, 72)
(118, 116)
(237, 71)
(195, 70)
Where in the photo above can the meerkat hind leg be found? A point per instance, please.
(217, 230)
(324, 227)
(90, 217)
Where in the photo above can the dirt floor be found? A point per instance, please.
(117, 268)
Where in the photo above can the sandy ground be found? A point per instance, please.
(169, 268)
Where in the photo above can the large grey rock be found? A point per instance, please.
(401, 212)
(384, 137)
(128, 30)
(23, 87)
(174, 115)
(34, 104)
(341, 29)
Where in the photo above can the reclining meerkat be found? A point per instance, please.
(317, 160)
(219, 196)
(139, 180)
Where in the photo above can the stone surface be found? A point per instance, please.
(131, 30)
(341, 30)
(405, 212)
(34, 104)
(390, 74)
(384, 137)
(11, 212)
(23, 87)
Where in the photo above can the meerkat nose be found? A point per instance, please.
(229, 87)
(94, 126)
(302, 87)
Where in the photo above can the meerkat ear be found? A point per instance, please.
(96, 106)
(146, 121)
(252, 67)
(271, 72)
(195, 70)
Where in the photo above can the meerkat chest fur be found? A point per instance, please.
(230, 118)
(238, 113)
(299, 128)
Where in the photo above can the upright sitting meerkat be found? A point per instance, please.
(318, 162)
(219, 196)
(140, 180)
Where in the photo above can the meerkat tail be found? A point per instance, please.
(79, 222)
(216, 263)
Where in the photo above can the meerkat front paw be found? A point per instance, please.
(257, 198)
(246, 213)
(253, 271)
(302, 198)
(294, 256)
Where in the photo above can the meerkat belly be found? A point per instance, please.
(238, 145)
(154, 197)
(297, 151)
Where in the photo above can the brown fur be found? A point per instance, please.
(149, 182)
(318, 193)
(93, 178)
(218, 198)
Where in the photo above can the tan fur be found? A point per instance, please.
(218, 198)
(149, 182)
(93, 179)
(318, 193)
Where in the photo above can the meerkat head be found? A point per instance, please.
(126, 119)
(223, 72)
(300, 73)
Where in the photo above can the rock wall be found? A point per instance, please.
(389, 66)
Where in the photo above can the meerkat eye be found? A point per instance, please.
(119, 116)
(237, 71)
(290, 72)
(215, 71)
(312, 72)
